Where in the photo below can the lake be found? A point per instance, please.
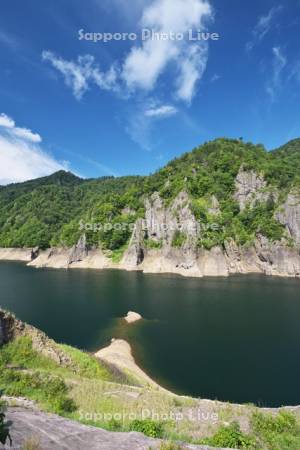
(234, 339)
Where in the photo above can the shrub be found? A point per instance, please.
(179, 239)
(230, 436)
(280, 432)
(148, 427)
(47, 389)
(151, 244)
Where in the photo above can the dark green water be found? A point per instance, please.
(234, 339)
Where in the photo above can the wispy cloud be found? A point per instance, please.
(263, 26)
(79, 74)
(275, 82)
(146, 63)
(21, 157)
(8, 40)
(215, 77)
(162, 111)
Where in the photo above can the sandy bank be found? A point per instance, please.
(119, 354)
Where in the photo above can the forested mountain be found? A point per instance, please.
(46, 212)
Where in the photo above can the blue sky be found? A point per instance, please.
(128, 107)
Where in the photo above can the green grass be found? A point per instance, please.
(178, 239)
(280, 432)
(25, 372)
(148, 427)
(87, 365)
(21, 354)
(87, 385)
(231, 437)
(151, 244)
(48, 390)
(169, 446)
(117, 254)
(268, 432)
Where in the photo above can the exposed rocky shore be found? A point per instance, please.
(279, 258)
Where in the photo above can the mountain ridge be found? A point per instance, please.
(239, 196)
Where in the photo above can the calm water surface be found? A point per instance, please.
(234, 339)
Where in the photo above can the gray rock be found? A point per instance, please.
(134, 255)
(288, 215)
(56, 433)
(34, 253)
(161, 223)
(249, 188)
(79, 251)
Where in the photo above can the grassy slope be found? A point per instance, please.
(92, 393)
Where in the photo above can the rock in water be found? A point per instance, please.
(132, 317)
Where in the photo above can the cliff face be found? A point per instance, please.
(152, 249)
(289, 215)
(169, 237)
(249, 188)
(262, 256)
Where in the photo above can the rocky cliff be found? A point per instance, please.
(262, 256)
(227, 207)
(152, 249)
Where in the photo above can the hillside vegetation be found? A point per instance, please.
(47, 211)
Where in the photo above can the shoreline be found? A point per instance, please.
(59, 258)
(119, 354)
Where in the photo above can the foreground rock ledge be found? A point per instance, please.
(56, 433)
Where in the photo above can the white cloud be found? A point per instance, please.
(79, 74)
(263, 26)
(24, 133)
(192, 67)
(21, 158)
(279, 63)
(161, 111)
(9, 124)
(6, 121)
(144, 64)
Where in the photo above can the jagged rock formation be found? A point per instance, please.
(261, 257)
(249, 188)
(167, 238)
(79, 251)
(289, 215)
